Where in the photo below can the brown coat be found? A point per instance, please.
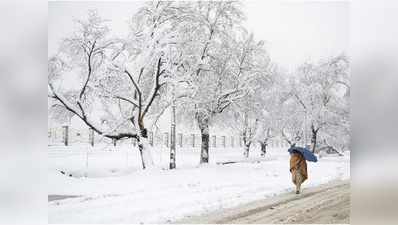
(298, 159)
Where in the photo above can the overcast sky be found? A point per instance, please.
(294, 31)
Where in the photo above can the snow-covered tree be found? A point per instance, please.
(165, 21)
(246, 114)
(268, 113)
(177, 64)
(242, 117)
(116, 82)
(283, 116)
(213, 83)
(317, 89)
(224, 65)
(291, 120)
(336, 132)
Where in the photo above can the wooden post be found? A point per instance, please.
(166, 139)
(114, 142)
(134, 142)
(180, 140)
(66, 135)
(78, 137)
(91, 136)
(150, 139)
(223, 141)
(193, 140)
(215, 141)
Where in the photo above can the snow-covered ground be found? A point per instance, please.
(114, 189)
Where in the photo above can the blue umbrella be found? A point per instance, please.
(308, 155)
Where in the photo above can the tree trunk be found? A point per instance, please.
(247, 149)
(247, 141)
(313, 139)
(246, 136)
(263, 149)
(145, 151)
(244, 143)
(204, 154)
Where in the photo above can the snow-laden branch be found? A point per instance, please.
(155, 87)
(133, 102)
(80, 112)
(65, 102)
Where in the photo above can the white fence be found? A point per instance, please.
(66, 136)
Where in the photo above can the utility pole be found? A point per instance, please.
(173, 131)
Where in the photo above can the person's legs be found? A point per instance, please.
(298, 180)
(294, 176)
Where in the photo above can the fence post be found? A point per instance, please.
(114, 142)
(66, 134)
(159, 138)
(214, 141)
(78, 137)
(193, 140)
(180, 140)
(232, 141)
(223, 141)
(167, 139)
(91, 136)
(150, 139)
(134, 142)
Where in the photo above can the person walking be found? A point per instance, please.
(298, 169)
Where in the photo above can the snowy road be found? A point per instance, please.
(328, 203)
